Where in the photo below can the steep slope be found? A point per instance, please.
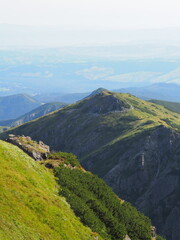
(35, 113)
(115, 135)
(96, 205)
(29, 203)
(145, 171)
(172, 106)
(14, 106)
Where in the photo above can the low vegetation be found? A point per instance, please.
(97, 206)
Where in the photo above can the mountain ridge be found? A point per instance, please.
(33, 114)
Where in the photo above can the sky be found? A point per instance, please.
(107, 14)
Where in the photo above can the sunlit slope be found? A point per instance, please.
(172, 106)
(30, 207)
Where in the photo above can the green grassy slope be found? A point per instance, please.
(30, 207)
(172, 106)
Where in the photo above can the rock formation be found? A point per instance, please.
(36, 150)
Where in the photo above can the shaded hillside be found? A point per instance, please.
(29, 203)
(172, 106)
(14, 106)
(35, 113)
(144, 170)
(111, 131)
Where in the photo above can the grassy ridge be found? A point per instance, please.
(29, 203)
(74, 121)
(172, 106)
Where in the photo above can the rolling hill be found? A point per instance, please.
(130, 143)
(172, 106)
(14, 106)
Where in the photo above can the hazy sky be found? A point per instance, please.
(107, 13)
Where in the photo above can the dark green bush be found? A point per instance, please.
(68, 158)
(99, 208)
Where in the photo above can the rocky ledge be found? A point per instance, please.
(36, 150)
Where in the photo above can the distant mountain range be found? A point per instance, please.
(14, 106)
(160, 91)
(35, 113)
(132, 144)
(61, 97)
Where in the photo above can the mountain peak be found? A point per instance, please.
(103, 102)
(97, 91)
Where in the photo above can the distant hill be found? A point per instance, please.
(172, 106)
(14, 106)
(160, 91)
(131, 143)
(35, 113)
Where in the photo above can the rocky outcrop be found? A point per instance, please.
(127, 237)
(103, 103)
(36, 150)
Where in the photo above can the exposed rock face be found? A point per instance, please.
(104, 103)
(38, 151)
(153, 230)
(148, 175)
